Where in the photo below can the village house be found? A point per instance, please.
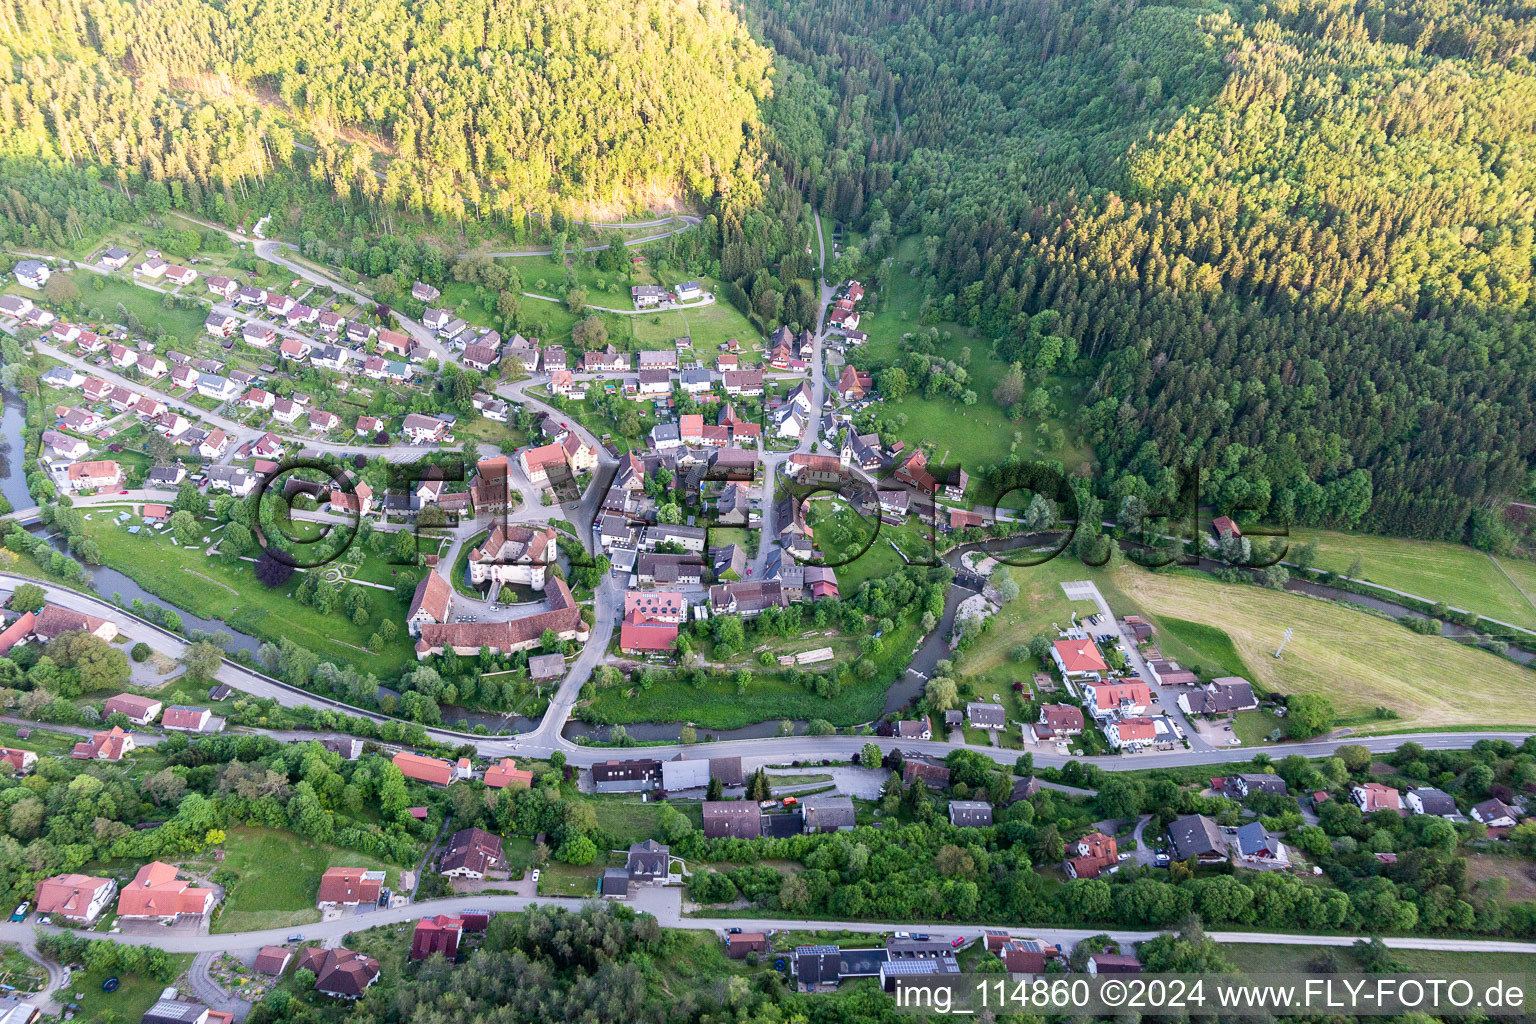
(506, 775)
(735, 819)
(339, 973)
(182, 718)
(437, 934)
(74, 897)
(471, 853)
(349, 887)
(1127, 698)
(432, 602)
(633, 776)
(1226, 695)
(1427, 800)
(432, 770)
(970, 813)
(138, 710)
(157, 894)
(1196, 836)
(422, 429)
(32, 274)
(1244, 785)
(1495, 813)
(107, 745)
(1078, 658)
(1131, 733)
(93, 476)
(1091, 855)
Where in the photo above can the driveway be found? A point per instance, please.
(1145, 856)
(1167, 699)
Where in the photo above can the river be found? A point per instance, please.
(13, 482)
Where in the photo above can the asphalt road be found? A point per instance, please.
(666, 905)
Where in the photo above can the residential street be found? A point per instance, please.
(666, 905)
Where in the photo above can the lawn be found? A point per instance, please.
(462, 298)
(632, 821)
(1360, 662)
(557, 879)
(715, 705)
(1254, 727)
(1434, 570)
(859, 548)
(134, 995)
(1041, 607)
(708, 326)
(277, 876)
(188, 579)
(1205, 650)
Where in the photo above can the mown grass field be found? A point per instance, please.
(708, 326)
(1360, 662)
(42, 741)
(279, 877)
(1460, 576)
(188, 579)
(1201, 648)
(631, 821)
(1273, 958)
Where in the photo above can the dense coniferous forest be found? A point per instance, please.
(473, 108)
(1293, 242)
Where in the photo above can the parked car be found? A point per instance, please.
(535, 876)
(957, 941)
(733, 931)
(296, 937)
(21, 911)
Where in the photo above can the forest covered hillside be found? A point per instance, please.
(463, 108)
(1292, 242)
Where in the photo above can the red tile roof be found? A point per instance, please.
(1081, 656)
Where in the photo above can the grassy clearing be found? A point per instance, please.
(1360, 662)
(969, 435)
(1523, 574)
(1205, 650)
(1434, 570)
(557, 879)
(107, 293)
(278, 877)
(188, 579)
(1274, 958)
(859, 549)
